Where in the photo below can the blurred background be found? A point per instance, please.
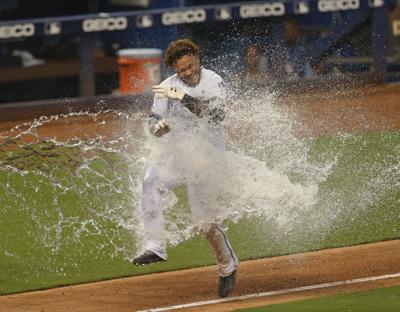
(86, 48)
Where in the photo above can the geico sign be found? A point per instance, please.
(183, 17)
(17, 31)
(258, 10)
(338, 5)
(102, 24)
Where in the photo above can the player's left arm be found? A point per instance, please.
(216, 102)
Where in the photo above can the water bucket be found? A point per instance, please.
(139, 69)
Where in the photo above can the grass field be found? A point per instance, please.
(60, 225)
(386, 299)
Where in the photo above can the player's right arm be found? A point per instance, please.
(158, 126)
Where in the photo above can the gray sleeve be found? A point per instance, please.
(216, 106)
(213, 101)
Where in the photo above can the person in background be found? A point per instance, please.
(297, 63)
(255, 69)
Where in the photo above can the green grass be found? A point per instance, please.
(58, 227)
(385, 299)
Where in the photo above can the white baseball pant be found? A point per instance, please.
(201, 205)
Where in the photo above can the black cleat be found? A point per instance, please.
(147, 258)
(226, 284)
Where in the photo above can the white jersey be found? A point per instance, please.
(211, 88)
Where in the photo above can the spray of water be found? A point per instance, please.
(82, 185)
(72, 181)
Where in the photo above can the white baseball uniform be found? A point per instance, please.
(183, 164)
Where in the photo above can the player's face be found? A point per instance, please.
(188, 69)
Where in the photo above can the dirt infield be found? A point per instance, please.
(196, 285)
(367, 109)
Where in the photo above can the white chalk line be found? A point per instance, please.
(275, 292)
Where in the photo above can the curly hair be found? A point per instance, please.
(179, 48)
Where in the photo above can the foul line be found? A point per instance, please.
(275, 292)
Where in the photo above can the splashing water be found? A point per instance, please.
(67, 180)
(77, 178)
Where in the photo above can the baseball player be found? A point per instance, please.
(190, 100)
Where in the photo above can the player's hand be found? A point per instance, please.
(160, 128)
(170, 92)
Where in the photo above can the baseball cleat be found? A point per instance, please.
(147, 258)
(226, 284)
